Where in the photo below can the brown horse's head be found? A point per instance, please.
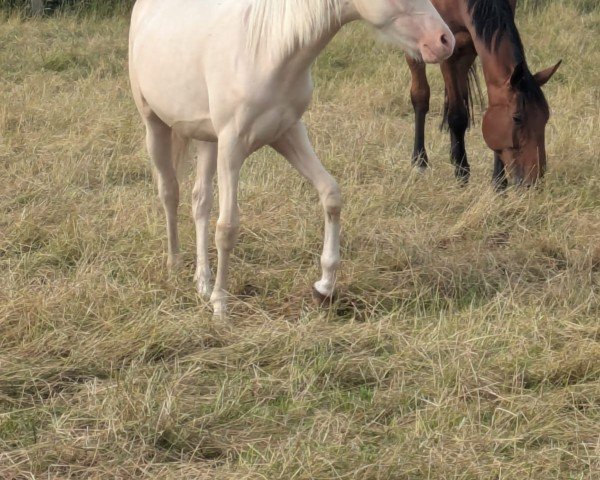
(514, 124)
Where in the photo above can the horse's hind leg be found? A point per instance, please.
(159, 140)
(202, 199)
(419, 94)
(296, 148)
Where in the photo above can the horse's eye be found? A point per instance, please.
(518, 120)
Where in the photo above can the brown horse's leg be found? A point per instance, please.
(499, 179)
(419, 94)
(456, 77)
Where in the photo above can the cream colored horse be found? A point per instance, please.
(234, 75)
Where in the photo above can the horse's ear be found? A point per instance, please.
(541, 78)
(518, 75)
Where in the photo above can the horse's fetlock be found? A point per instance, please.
(330, 262)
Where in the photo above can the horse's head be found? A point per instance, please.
(414, 25)
(514, 125)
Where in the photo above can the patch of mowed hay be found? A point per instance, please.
(464, 343)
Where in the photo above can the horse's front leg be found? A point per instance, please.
(296, 148)
(230, 157)
(499, 180)
(420, 93)
(202, 199)
(456, 77)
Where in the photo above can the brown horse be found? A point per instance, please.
(515, 121)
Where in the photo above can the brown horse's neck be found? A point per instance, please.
(498, 59)
(497, 67)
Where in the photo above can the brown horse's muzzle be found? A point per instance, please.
(527, 167)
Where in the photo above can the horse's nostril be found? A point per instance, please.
(444, 40)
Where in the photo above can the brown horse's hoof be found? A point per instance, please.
(322, 301)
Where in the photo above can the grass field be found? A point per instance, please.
(465, 343)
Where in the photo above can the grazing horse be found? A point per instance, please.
(515, 121)
(234, 75)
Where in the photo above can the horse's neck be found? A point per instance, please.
(303, 57)
(497, 63)
(497, 66)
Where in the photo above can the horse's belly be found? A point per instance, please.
(199, 129)
(176, 97)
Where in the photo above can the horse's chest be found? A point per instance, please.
(271, 123)
(464, 43)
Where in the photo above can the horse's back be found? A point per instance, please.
(173, 16)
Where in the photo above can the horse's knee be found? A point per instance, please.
(458, 120)
(420, 97)
(332, 199)
(227, 234)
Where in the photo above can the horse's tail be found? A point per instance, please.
(474, 92)
(180, 152)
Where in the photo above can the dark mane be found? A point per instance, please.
(494, 22)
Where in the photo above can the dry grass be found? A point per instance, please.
(465, 345)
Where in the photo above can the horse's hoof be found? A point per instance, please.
(463, 175)
(420, 160)
(500, 186)
(322, 301)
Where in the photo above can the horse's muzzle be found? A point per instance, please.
(438, 47)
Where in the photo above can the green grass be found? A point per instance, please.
(465, 343)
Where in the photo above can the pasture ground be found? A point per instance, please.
(465, 343)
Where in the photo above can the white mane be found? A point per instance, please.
(279, 26)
